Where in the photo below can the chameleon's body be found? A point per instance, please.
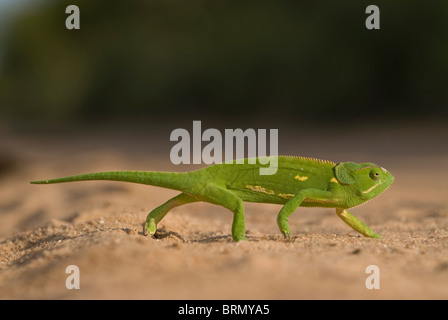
(298, 182)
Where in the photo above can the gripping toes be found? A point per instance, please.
(284, 227)
(150, 227)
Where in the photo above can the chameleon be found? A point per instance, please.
(298, 182)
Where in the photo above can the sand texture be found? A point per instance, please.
(97, 226)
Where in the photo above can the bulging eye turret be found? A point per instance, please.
(375, 174)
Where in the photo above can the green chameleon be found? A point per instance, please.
(298, 182)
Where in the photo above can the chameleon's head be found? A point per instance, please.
(365, 180)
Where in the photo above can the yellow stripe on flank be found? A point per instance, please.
(260, 189)
(300, 178)
(334, 180)
(286, 195)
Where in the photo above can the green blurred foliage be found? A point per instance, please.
(294, 59)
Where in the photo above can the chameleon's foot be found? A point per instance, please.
(357, 225)
(150, 227)
(237, 239)
(238, 235)
(284, 228)
(375, 236)
(287, 235)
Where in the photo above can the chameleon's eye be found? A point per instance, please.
(375, 175)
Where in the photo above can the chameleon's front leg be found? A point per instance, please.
(357, 225)
(158, 213)
(292, 204)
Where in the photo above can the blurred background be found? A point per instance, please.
(158, 60)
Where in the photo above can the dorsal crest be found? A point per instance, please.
(312, 159)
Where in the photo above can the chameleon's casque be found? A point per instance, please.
(298, 182)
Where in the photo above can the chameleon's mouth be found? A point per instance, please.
(358, 205)
(370, 189)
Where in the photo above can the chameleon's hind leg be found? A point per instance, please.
(158, 213)
(357, 225)
(227, 199)
(293, 203)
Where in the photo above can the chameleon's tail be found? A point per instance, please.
(171, 180)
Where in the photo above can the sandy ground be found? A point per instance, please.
(97, 225)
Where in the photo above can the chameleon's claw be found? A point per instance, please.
(287, 235)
